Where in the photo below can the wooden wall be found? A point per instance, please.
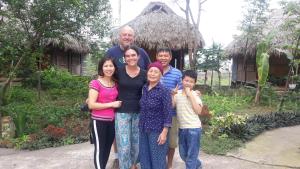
(67, 60)
(279, 67)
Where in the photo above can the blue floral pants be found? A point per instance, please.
(127, 138)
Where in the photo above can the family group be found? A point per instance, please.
(149, 109)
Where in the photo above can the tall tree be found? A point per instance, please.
(25, 26)
(291, 29)
(39, 20)
(252, 26)
(191, 20)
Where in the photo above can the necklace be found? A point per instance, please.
(106, 83)
(132, 73)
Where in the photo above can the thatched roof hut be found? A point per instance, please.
(159, 26)
(68, 43)
(238, 47)
(244, 63)
(67, 52)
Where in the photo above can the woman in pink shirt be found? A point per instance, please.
(102, 101)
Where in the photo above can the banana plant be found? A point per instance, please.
(262, 63)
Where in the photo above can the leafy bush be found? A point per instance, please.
(291, 102)
(234, 92)
(259, 123)
(221, 104)
(54, 78)
(268, 96)
(54, 136)
(31, 115)
(222, 125)
(59, 107)
(19, 112)
(22, 95)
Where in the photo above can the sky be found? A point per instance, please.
(218, 22)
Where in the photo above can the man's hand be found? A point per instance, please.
(175, 90)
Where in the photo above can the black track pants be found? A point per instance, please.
(103, 136)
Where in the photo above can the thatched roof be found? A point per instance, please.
(68, 43)
(158, 26)
(237, 47)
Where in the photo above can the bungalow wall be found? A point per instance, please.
(279, 67)
(68, 60)
(241, 74)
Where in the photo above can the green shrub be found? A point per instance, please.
(222, 125)
(30, 118)
(291, 102)
(54, 136)
(268, 96)
(236, 92)
(60, 100)
(221, 104)
(54, 78)
(20, 112)
(23, 95)
(67, 93)
(256, 124)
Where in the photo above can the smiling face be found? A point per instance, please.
(131, 57)
(126, 36)
(153, 75)
(108, 68)
(188, 82)
(164, 58)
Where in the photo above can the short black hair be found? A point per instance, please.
(164, 49)
(190, 73)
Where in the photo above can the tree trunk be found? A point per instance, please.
(205, 77)
(219, 77)
(245, 69)
(257, 96)
(191, 59)
(39, 87)
(229, 77)
(5, 87)
(212, 77)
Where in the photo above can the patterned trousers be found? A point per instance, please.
(127, 138)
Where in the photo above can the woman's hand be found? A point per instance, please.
(116, 104)
(162, 138)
